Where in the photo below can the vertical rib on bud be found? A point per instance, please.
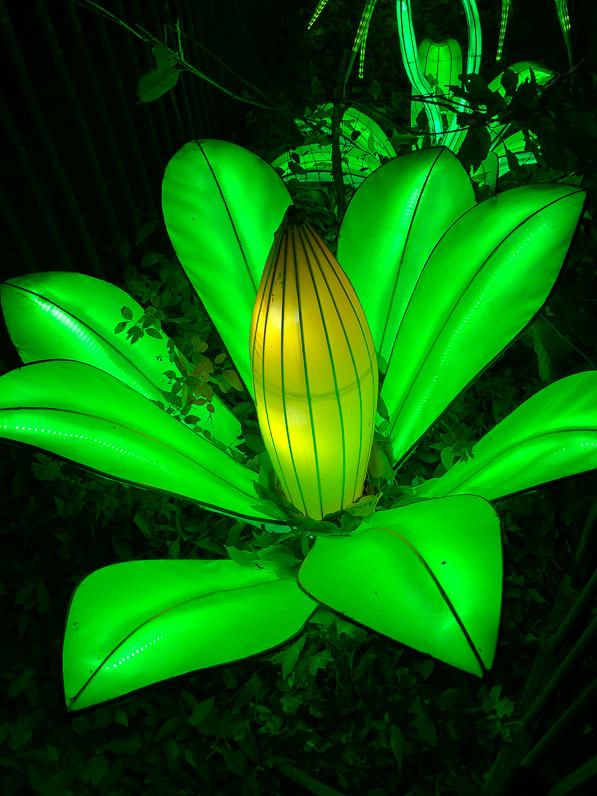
(314, 374)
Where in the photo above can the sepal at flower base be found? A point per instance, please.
(428, 575)
(133, 624)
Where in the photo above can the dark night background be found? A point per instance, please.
(359, 714)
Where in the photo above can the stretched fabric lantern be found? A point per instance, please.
(314, 373)
(442, 61)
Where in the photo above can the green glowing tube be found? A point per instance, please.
(428, 575)
(483, 282)
(454, 137)
(410, 59)
(84, 414)
(551, 435)
(390, 228)
(503, 23)
(564, 20)
(360, 41)
(60, 315)
(222, 205)
(133, 624)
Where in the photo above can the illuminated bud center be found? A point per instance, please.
(314, 373)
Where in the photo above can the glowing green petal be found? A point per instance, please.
(484, 281)
(84, 414)
(222, 205)
(63, 315)
(390, 227)
(428, 575)
(551, 435)
(130, 625)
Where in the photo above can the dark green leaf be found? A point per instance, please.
(155, 83)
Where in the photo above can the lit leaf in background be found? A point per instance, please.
(362, 145)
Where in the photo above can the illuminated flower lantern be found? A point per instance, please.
(432, 283)
(314, 374)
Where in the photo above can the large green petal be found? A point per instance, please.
(551, 435)
(392, 223)
(84, 414)
(133, 624)
(222, 205)
(57, 314)
(484, 281)
(428, 575)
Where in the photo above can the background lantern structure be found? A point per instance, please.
(314, 372)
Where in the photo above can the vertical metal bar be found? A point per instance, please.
(45, 138)
(182, 86)
(142, 114)
(30, 261)
(202, 118)
(44, 208)
(131, 142)
(174, 98)
(105, 124)
(79, 120)
(145, 62)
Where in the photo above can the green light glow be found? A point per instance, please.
(455, 325)
(412, 64)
